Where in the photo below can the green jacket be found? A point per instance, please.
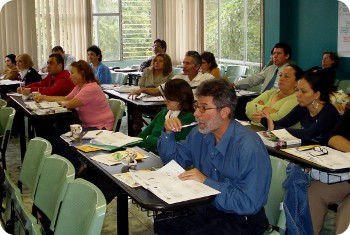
(152, 132)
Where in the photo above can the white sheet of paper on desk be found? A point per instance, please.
(32, 105)
(127, 179)
(244, 92)
(9, 82)
(126, 88)
(46, 104)
(244, 123)
(106, 159)
(334, 159)
(153, 98)
(94, 134)
(117, 139)
(166, 185)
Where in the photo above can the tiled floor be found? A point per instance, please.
(139, 222)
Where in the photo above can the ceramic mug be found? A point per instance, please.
(35, 94)
(76, 129)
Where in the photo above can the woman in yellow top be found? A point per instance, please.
(209, 64)
(11, 72)
(278, 102)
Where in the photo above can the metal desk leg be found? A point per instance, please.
(130, 119)
(22, 135)
(122, 212)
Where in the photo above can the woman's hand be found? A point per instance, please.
(257, 116)
(172, 125)
(133, 94)
(270, 124)
(261, 102)
(269, 110)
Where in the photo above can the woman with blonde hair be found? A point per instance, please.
(25, 66)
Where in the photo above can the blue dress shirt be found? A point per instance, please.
(238, 166)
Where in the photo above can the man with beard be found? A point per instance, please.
(225, 156)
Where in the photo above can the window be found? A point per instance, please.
(122, 28)
(233, 31)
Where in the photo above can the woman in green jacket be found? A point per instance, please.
(179, 100)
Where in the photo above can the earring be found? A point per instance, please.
(313, 104)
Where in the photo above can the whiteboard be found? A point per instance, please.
(343, 30)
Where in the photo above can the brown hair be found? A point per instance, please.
(27, 60)
(85, 70)
(168, 66)
(179, 90)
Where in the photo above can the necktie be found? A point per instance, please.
(272, 81)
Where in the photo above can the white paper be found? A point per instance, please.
(117, 139)
(284, 135)
(106, 159)
(166, 185)
(46, 104)
(126, 88)
(94, 134)
(334, 159)
(153, 98)
(244, 92)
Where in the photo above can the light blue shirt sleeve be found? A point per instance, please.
(103, 74)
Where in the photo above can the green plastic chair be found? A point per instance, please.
(7, 115)
(3, 103)
(25, 222)
(273, 209)
(233, 72)
(177, 70)
(118, 108)
(55, 176)
(83, 210)
(344, 85)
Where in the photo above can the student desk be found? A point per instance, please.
(141, 196)
(132, 104)
(7, 86)
(33, 120)
(277, 152)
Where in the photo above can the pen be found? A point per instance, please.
(256, 107)
(191, 124)
(99, 132)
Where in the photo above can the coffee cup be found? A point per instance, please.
(76, 129)
(35, 94)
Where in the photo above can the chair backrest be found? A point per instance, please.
(3, 103)
(276, 192)
(83, 210)
(177, 71)
(344, 85)
(7, 115)
(119, 78)
(118, 108)
(222, 68)
(37, 151)
(233, 72)
(55, 176)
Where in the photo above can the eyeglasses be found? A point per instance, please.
(202, 108)
(319, 151)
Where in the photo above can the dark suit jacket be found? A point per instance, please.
(31, 76)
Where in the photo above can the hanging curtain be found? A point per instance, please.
(35, 26)
(17, 27)
(66, 23)
(183, 27)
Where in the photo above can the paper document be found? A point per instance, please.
(322, 155)
(94, 134)
(150, 98)
(126, 88)
(166, 185)
(244, 92)
(117, 139)
(115, 158)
